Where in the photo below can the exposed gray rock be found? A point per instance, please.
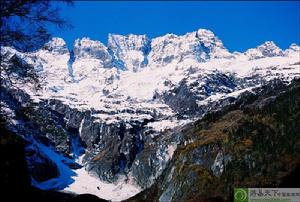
(184, 98)
(220, 163)
(157, 153)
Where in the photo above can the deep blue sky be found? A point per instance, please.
(240, 25)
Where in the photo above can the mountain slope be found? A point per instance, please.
(113, 113)
(253, 143)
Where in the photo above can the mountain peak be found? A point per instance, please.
(56, 45)
(269, 43)
(130, 50)
(87, 48)
(201, 45)
(267, 49)
(204, 33)
(211, 44)
(270, 49)
(294, 47)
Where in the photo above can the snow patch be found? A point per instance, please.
(86, 183)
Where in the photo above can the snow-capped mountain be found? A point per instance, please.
(267, 49)
(199, 46)
(123, 102)
(130, 52)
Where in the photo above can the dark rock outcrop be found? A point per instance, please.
(40, 167)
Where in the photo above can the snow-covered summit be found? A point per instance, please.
(267, 49)
(211, 44)
(200, 46)
(136, 52)
(293, 48)
(131, 50)
(87, 48)
(56, 46)
(90, 58)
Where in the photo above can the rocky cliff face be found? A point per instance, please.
(253, 143)
(131, 51)
(118, 111)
